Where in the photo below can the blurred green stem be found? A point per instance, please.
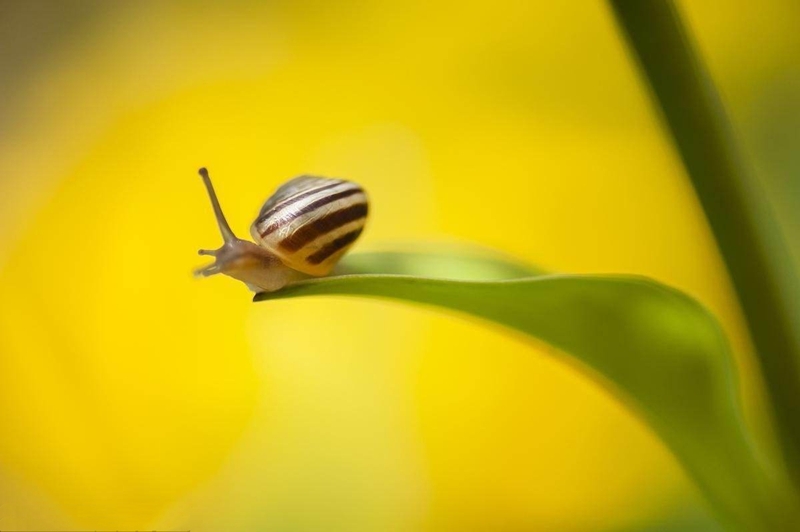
(749, 239)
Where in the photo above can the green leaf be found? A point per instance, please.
(738, 211)
(656, 349)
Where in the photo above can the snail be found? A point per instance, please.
(302, 230)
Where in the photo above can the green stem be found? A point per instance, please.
(737, 210)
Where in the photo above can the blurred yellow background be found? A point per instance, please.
(135, 396)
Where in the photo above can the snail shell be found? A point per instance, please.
(310, 222)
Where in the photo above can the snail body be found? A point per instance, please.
(302, 230)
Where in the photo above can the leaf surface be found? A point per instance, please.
(659, 351)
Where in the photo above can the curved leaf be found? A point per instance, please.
(655, 348)
(740, 215)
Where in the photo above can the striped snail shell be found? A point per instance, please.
(303, 229)
(310, 222)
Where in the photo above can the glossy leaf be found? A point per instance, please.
(655, 348)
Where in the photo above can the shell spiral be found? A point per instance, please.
(310, 222)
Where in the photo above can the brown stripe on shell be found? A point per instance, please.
(265, 216)
(314, 205)
(311, 231)
(332, 247)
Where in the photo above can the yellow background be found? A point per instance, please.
(135, 396)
